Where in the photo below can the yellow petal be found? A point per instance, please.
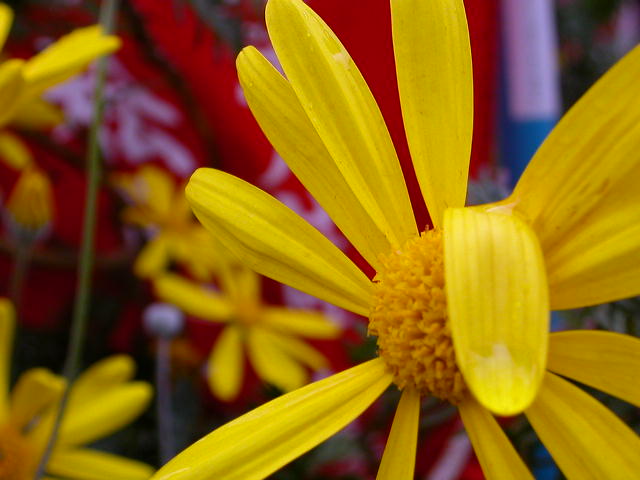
(153, 258)
(498, 306)
(306, 323)
(579, 193)
(226, 364)
(343, 111)
(267, 438)
(607, 361)
(66, 57)
(586, 439)
(433, 64)
(300, 351)
(6, 19)
(14, 152)
(36, 390)
(89, 464)
(12, 88)
(192, 298)
(37, 114)
(283, 120)
(399, 458)
(598, 262)
(241, 283)
(108, 372)
(498, 458)
(7, 325)
(272, 364)
(274, 241)
(106, 413)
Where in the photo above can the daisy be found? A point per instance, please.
(158, 204)
(270, 334)
(22, 82)
(461, 310)
(102, 400)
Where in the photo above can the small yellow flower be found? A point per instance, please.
(22, 82)
(102, 400)
(270, 334)
(30, 204)
(461, 311)
(158, 205)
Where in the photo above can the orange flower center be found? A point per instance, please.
(16, 455)
(409, 317)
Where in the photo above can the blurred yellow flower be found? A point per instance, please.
(30, 203)
(461, 311)
(157, 204)
(102, 401)
(270, 334)
(22, 82)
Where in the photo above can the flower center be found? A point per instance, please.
(409, 317)
(16, 455)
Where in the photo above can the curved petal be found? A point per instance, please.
(306, 323)
(226, 364)
(586, 439)
(153, 258)
(399, 458)
(6, 19)
(300, 351)
(192, 298)
(37, 114)
(599, 262)
(14, 152)
(11, 88)
(274, 241)
(67, 56)
(106, 373)
(87, 464)
(498, 306)
(267, 438)
(104, 414)
(35, 390)
(580, 195)
(343, 111)
(240, 283)
(283, 120)
(498, 458)
(7, 326)
(607, 361)
(433, 65)
(272, 364)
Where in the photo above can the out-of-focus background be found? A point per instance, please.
(173, 104)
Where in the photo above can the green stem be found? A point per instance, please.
(108, 11)
(22, 254)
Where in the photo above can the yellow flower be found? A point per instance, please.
(30, 204)
(159, 205)
(269, 333)
(102, 400)
(461, 311)
(22, 82)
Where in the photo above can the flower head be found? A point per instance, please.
(30, 204)
(158, 205)
(481, 282)
(102, 400)
(270, 334)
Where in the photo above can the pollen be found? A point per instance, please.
(16, 455)
(409, 317)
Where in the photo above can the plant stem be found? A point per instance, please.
(22, 254)
(108, 11)
(164, 408)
